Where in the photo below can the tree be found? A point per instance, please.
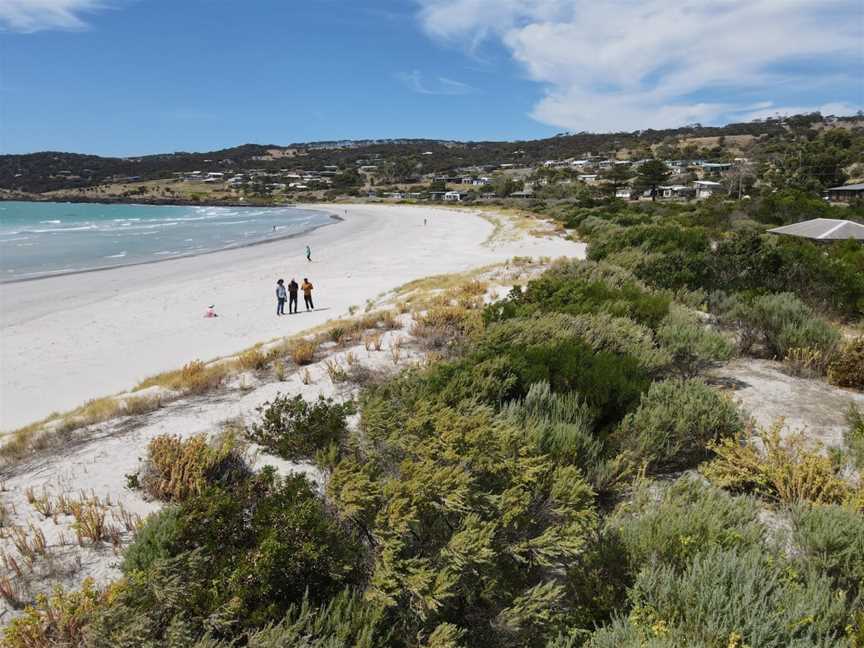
(652, 174)
(615, 176)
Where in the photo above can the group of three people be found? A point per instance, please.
(290, 294)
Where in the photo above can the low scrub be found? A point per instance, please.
(691, 345)
(831, 540)
(671, 524)
(847, 367)
(195, 377)
(783, 470)
(730, 598)
(781, 322)
(854, 436)
(57, 619)
(178, 468)
(294, 428)
(155, 540)
(674, 424)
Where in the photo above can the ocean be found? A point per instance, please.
(40, 238)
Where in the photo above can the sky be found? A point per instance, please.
(132, 77)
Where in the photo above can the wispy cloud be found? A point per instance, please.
(29, 16)
(437, 86)
(625, 65)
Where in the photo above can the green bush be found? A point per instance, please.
(347, 620)
(671, 524)
(674, 423)
(854, 436)
(293, 428)
(782, 322)
(513, 355)
(830, 539)
(730, 597)
(238, 560)
(155, 540)
(847, 367)
(579, 287)
(691, 345)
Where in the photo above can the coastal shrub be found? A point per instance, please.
(303, 352)
(56, 619)
(674, 423)
(691, 345)
(512, 355)
(155, 540)
(253, 360)
(784, 470)
(847, 366)
(579, 287)
(468, 520)
(781, 322)
(830, 539)
(194, 378)
(561, 425)
(293, 428)
(730, 597)
(346, 620)
(178, 468)
(266, 542)
(337, 334)
(671, 524)
(854, 436)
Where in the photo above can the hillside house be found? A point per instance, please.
(452, 196)
(673, 192)
(845, 193)
(824, 230)
(706, 188)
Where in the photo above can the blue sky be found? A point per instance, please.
(127, 77)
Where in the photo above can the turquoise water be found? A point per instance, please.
(56, 238)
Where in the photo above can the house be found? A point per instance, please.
(706, 188)
(452, 196)
(674, 191)
(481, 182)
(623, 193)
(845, 193)
(589, 178)
(823, 229)
(716, 167)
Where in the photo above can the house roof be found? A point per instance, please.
(823, 229)
(852, 187)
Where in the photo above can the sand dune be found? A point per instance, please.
(66, 339)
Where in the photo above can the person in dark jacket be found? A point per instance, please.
(281, 297)
(292, 296)
(307, 294)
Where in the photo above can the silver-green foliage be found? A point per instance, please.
(675, 421)
(691, 345)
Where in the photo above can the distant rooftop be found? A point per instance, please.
(823, 229)
(851, 187)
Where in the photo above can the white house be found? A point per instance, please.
(706, 188)
(452, 196)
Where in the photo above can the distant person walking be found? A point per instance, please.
(307, 294)
(308, 254)
(281, 297)
(292, 296)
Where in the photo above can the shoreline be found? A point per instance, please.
(336, 219)
(67, 339)
(165, 202)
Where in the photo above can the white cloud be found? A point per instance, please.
(440, 86)
(633, 64)
(37, 15)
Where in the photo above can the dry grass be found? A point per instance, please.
(136, 405)
(303, 352)
(389, 321)
(306, 377)
(372, 341)
(396, 350)
(335, 371)
(253, 360)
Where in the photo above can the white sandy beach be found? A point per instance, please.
(64, 340)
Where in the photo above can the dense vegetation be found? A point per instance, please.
(508, 494)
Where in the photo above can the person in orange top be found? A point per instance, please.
(307, 294)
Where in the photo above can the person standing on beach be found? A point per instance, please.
(308, 254)
(281, 296)
(307, 294)
(292, 296)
